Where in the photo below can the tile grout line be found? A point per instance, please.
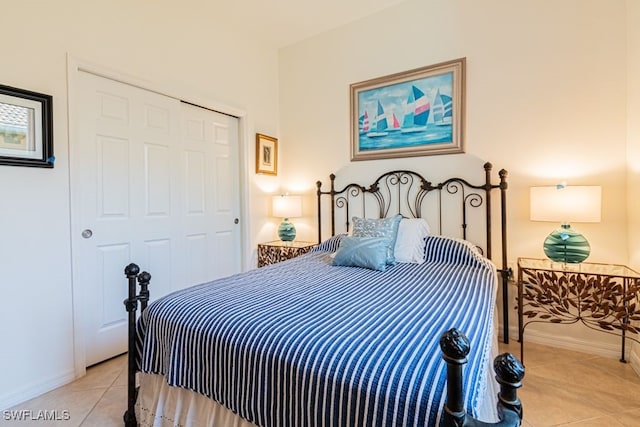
(94, 406)
(107, 388)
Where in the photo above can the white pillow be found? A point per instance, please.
(410, 242)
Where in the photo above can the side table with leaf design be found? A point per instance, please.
(603, 297)
(277, 251)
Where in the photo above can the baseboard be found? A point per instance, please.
(35, 389)
(596, 348)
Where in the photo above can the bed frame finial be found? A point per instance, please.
(509, 374)
(131, 270)
(455, 347)
(143, 280)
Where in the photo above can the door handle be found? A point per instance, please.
(86, 233)
(236, 221)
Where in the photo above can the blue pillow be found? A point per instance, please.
(366, 252)
(379, 227)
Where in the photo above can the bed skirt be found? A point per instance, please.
(160, 405)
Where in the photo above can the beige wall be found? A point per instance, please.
(633, 145)
(546, 100)
(633, 131)
(183, 50)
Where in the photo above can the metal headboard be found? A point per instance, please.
(404, 192)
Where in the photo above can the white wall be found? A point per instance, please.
(546, 100)
(187, 51)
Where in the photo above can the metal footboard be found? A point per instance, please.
(453, 343)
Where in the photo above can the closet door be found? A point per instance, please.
(212, 194)
(155, 181)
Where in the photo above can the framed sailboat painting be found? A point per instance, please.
(414, 113)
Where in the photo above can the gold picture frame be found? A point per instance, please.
(266, 154)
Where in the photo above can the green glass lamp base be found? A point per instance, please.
(566, 245)
(286, 231)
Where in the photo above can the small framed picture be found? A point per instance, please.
(26, 128)
(266, 154)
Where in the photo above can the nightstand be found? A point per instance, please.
(601, 296)
(276, 251)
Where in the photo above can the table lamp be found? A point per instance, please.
(565, 204)
(285, 206)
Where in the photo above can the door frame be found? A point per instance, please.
(75, 66)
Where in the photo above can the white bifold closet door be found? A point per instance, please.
(156, 182)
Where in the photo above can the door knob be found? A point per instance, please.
(86, 233)
(235, 221)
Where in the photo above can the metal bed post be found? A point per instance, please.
(487, 188)
(131, 303)
(319, 195)
(455, 347)
(506, 271)
(333, 204)
(132, 271)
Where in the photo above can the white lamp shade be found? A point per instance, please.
(287, 206)
(566, 204)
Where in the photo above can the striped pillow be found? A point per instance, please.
(329, 245)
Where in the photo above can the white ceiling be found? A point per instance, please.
(283, 22)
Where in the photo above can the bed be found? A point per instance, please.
(335, 337)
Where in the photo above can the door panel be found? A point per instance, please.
(195, 183)
(112, 177)
(153, 190)
(157, 161)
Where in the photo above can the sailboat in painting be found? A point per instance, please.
(380, 124)
(363, 123)
(407, 121)
(416, 118)
(394, 124)
(442, 109)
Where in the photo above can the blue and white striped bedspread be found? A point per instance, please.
(304, 343)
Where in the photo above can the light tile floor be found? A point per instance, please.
(561, 388)
(97, 399)
(566, 388)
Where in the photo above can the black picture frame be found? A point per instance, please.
(26, 128)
